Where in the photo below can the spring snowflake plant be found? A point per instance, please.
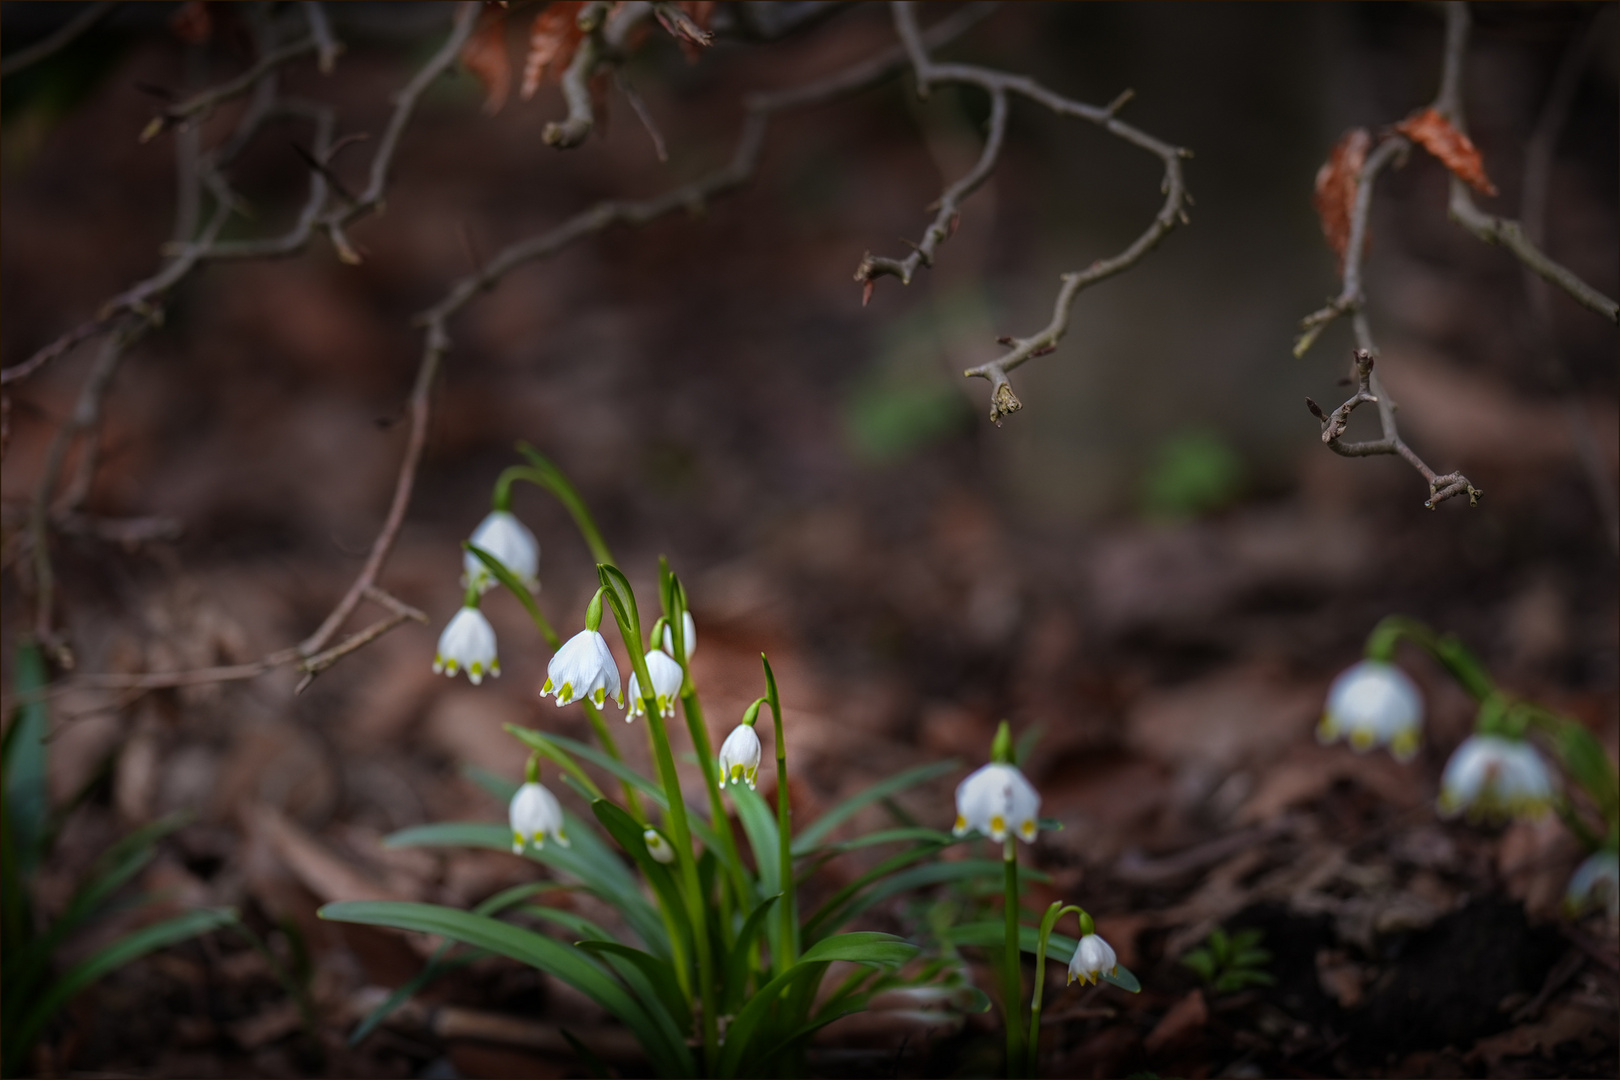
(1505, 768)
(719, 963)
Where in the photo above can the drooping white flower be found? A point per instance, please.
(657, 846)
(666, 678)
(997, 799)
(688, 633)
(1492, 776)
(468, 642)
(1373, 703)
(535, 816)
(1595, 882)
(1093, 958)
(583, 668)
(739, 756)
(510, 541)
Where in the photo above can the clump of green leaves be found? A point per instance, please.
(1231, 962)
(32, 991)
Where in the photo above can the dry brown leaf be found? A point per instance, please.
(552, 41)
(1186, 1018)
(486, 56)
(1431, 130)
(1336, 183)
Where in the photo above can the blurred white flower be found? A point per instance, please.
(688, 632)
(997, 799)
(1595, 882)
(1373, 703)
(657, 846)
(510, 541)
(1492, 776)
(583, 668)
(535, 815)
(739, 756)
(1093, 958)
(468, 642)
(666, 678)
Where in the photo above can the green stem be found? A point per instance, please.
(545, 474)
(718, 818)
(1012, 979)
(788, 907)
(1448, 649)
(1050, 920)
(621, 598)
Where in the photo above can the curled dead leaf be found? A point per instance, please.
(1336, 183)
(552, 41)
(486, 56)
(1431, 129)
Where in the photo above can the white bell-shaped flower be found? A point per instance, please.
(996, 800)
(1595, 883)
(536, 816)
(666, 678)
(1373, 703)
(1492, 776)
(657, 846)
(688, 633)
(739, 756)
(468, 643)
(509, 540)
(1093, 958)
(583, 669)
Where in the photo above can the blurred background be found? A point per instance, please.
(1156, 562)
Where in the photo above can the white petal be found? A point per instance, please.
(688, 632)
(513, 545)
(468, 643)
(739, 756)
(1373, 703)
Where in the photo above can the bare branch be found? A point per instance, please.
(998, 85)
(68, 33)
(327, 47)
(205, 101)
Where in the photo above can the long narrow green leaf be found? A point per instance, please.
(629, 834)
(859, 948)
(526, 946)
(588, 860)
(824, 825)
(439, 965)
(737, 961)
(621, 771)
(990, 935)
(126, 949)
(498, 788)
(517, 589)
(661, 991)
(26, 762)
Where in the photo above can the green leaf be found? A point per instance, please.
(629, 834)
(27, 797)
(588, 860)
(108, 959)
(499, 787)
(438, 964)
(737, 961)
(517, 589)
(882, 888)
(1587, 762)
(659, 990)
(525, 946)
(1201, 963)
(1027, 742)
(823, 826)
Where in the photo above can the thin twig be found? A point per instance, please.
(52, 43)
(327, 47)
(999, 85)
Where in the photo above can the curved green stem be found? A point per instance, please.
(720, 821)
(1012, 993)
(545, 474)
(516, 588)
(1448, 649)
(1048, 922)
(788, 909)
